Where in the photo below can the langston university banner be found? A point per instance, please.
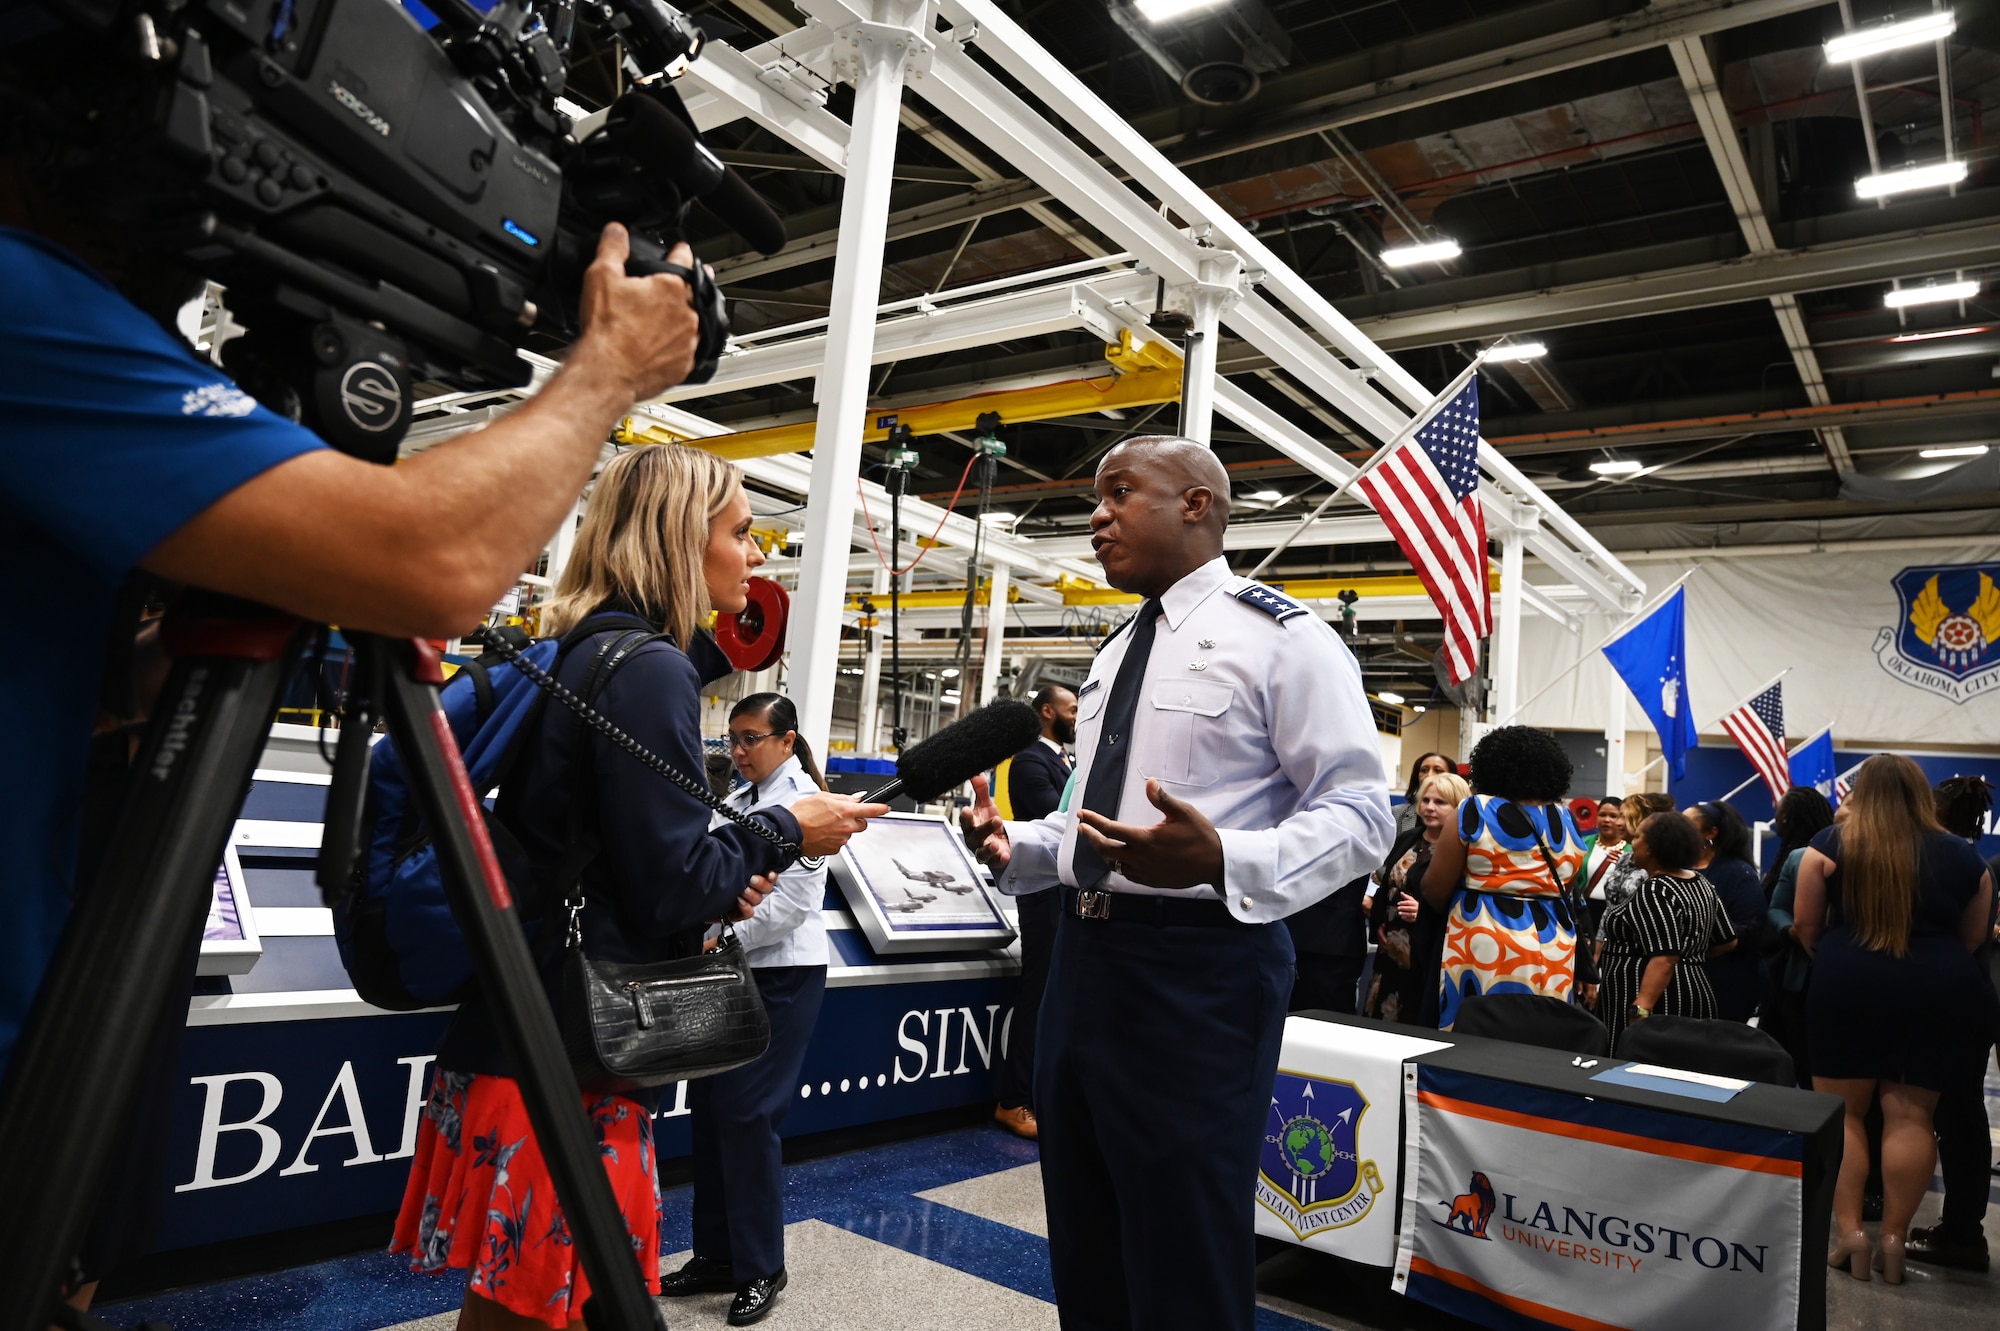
(1527, 1207)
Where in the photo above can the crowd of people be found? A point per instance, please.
(1866, 950)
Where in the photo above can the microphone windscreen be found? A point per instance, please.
(735, 202)
(967, 747)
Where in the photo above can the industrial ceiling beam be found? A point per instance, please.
(1696, 68)
(1468, 62)
(1538, 306)
(1983, 403)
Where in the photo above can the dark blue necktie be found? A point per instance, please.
(1106, 787)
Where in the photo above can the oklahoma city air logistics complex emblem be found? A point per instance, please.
(1311, 1175)
(1947, 639)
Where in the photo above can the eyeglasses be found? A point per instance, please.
(737, 741)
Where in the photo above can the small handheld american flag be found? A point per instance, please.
(1426, 489)
(1758, 727)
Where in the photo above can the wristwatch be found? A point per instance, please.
(1638, 1011)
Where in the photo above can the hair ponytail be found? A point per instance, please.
(782, 716)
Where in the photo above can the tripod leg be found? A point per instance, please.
(69, 1087)
(510, 984)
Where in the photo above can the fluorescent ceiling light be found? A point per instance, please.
(1617, 467)
(1163, 11)
(950, 672)
(1935, 293)
(1507, 351)
(1932, 336)
(999, 519)
(795, 538)
(1436, 251)
(1393, 699)
(1931, 175)
(1419, 708)
(1266, 496)
(1886, 37)
(1960, 451)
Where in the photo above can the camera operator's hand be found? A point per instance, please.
(827, 821)
(642, 329)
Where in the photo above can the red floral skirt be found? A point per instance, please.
(480, 1196)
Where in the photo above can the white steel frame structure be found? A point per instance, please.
(972, 63)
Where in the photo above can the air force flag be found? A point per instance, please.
(1813, 765)
(1651, 657)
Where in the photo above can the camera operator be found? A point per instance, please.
(125, 451)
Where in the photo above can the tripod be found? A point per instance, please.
(75, 1075)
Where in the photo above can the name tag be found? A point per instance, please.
(1086, 690)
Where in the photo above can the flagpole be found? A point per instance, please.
(1340, 488)
(1804, 742)
(1617, 633)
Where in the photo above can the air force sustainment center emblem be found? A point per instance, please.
(1311, 1175)
(1947, 640)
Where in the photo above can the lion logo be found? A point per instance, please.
(1469, 1211)
(1948, 640)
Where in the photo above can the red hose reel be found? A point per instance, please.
(753, 638)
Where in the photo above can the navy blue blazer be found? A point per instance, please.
(660, 873)
(1035, 782)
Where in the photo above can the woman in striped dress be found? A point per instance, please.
(1504, 881)
(1656, 939)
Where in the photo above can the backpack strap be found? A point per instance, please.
(582, 846)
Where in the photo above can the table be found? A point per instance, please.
(1530, 1192)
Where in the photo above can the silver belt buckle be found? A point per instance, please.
(1093, 904)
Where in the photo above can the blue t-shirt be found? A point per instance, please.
(113, 435)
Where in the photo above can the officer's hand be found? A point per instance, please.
(827, 820)
(753, 896)
(985, 834)
(641, 330)
(1181, 850)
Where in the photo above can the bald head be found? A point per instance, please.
(1162, 505)
(1178, 460)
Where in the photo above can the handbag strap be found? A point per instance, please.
(604, 726)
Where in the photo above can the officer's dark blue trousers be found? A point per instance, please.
(1156, 1052)
(739, 1176)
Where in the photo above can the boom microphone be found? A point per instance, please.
(962, 750)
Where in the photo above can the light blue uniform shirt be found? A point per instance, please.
(787, 929)
(1252, 711)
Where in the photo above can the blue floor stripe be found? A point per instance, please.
(870, 1193)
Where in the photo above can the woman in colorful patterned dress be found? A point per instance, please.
(1503, 880)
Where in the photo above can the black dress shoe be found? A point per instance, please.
(753, 1301)
(1937, 1248)
(701, 1275)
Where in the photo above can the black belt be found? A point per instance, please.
(1145, 908)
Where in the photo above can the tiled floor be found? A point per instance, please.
(943, 1232)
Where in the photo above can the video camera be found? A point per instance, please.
(384, 203)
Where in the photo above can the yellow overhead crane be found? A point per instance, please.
(1079, 591)
(1142, 375)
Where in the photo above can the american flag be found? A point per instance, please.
(1758, 727)
(1426, 489)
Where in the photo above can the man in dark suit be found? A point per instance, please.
(1035, 781)
(1331, 938)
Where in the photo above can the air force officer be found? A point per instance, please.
(1227, 777)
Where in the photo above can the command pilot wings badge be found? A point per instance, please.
(1948, 639)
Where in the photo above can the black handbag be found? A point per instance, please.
(650, 1023)
(634, 1024)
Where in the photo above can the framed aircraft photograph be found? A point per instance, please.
(229, 941)
(914, 887)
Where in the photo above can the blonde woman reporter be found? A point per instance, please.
(666, 538)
